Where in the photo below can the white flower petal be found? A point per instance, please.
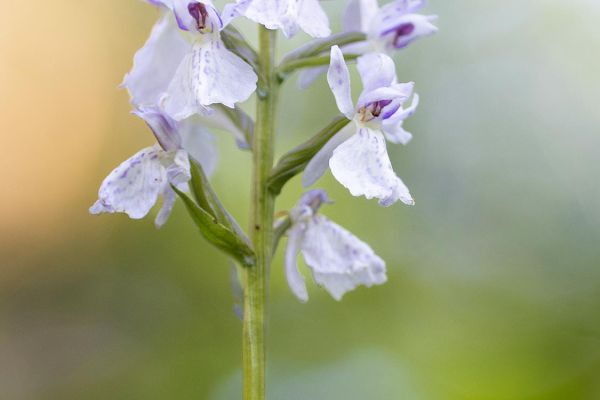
(376, 70)
(133, 187)
(168, 201)
(199, 143)
(293, 276)
(287, 15)
(178, 168)
(317, 166)
(219, 76)
(155, 64)
(398, 91)
(397, 134)
(358, 15)
(338, 78)
(312, 19)
(165, 129)
(362, 165)
(340, 261)
(397, 24)
(209, 74)
(180, 101)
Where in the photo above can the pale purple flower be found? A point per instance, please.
(338, 260)
(389, 28)
(357, 155)
(184, 66)
(135, 185)
(287, 15)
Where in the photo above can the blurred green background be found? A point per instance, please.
(494, 276)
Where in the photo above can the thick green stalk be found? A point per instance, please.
(256, 278)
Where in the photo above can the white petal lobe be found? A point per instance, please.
(155, 64)
(133, 187)
(295, 280)
(219, 76)
(317, 166)
(363, 166)
(340, 261)
(313, 20)
(338, 78)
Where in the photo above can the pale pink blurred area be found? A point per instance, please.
(65, 121)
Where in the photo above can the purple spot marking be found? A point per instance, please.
(199, 13)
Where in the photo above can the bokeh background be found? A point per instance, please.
(494, 276)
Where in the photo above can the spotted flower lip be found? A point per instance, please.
(338, 260)
(357, 156)
(288, 15)
(136, 184)
(184, 66)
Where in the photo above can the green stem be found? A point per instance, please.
(317, 61)
(256, 278)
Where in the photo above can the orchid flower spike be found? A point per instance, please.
(184, 66)
(287, 15)
(339, 261)
(135, 185)
(357, 155)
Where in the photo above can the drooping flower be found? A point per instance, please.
(184, 66)
(135, 185)
(389, 28)
(338, 260)
(287, 15)
(357, 155)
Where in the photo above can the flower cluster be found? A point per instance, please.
(194, 70)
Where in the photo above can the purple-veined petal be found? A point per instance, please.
(338, 78)
(376, 70)
(317, 166)
(210, 74)
(312, 19)
(155, 64)
(398, 91)
(133, 187)
(165, 129)
(293, 276)
(220, 76)
(358, 15)
(339, 261)
(363, 166)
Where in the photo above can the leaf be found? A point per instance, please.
(294, 162)
(317, 46)
(217, 234)
(208, 200)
